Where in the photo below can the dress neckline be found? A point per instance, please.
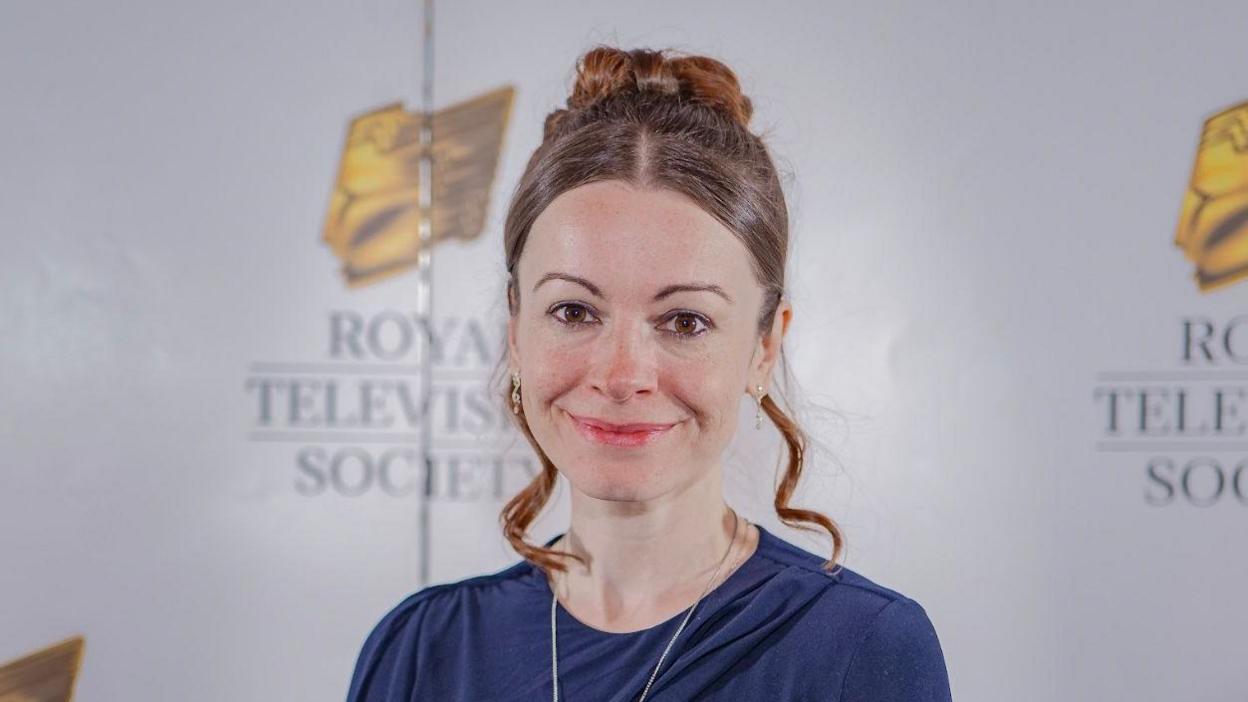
(742, 571)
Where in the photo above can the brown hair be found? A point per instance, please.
(664, 122)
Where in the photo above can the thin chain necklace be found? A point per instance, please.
(554, 644)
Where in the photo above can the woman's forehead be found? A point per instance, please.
(636, 236)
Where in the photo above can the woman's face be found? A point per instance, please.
(636, 338)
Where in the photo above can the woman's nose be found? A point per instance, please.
(625, 363)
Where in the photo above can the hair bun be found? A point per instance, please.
(605, 71)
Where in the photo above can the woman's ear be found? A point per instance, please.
(513, 357)
(768, 350)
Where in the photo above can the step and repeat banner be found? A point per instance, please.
(1020, 278)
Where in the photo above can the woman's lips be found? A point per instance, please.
(601, 432)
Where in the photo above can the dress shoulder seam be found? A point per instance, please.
(873, 588)
(867, 633)
(511, 572)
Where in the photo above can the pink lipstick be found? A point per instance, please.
(626, 435)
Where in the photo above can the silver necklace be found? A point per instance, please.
(554, 644)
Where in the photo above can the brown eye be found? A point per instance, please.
(688, 324)
(572, 314)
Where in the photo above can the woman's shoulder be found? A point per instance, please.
(885, 643)
(513, 579)
(515, 573)
(388, 654)
(897, 654)
(848, 587)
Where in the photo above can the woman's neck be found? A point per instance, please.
(644, 566)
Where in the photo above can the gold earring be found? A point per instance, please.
(515, 392)
(758, 411)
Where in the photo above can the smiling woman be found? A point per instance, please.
(646, 246)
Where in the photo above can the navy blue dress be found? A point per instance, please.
(778, 628)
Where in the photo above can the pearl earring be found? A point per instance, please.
(515, 392)
(758, 411)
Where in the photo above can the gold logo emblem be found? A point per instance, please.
(373, 225)
(1213, 227)
(46, 674)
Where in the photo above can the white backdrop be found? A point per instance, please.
(984, 200)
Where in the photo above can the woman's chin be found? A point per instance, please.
(614, 490)
(614, 480)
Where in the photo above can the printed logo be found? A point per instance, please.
(1188, 423)
(355, 419)
(374, 221)
(1213, 227)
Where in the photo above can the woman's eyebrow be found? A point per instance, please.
(664, 292)
(593, 289)
(692, 287)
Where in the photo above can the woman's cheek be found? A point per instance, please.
(701, 386)
(553, 368)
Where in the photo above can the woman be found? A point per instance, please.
(646, 246)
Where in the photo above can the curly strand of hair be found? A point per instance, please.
(522, 509)
(793, 516)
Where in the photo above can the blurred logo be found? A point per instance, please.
(373, 224)
(1213, 226)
